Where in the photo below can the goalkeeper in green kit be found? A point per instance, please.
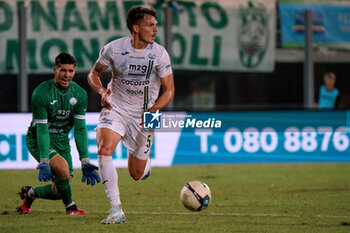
(58, 105)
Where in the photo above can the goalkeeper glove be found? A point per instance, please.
(44, 172)
(89, 174)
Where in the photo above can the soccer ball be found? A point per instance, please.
(195, 196)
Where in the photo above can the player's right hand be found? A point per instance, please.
(104, 99)
(44, 172)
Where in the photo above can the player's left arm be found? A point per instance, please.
(81, 141)
(80, 132)
(80, 136)
(167, 95)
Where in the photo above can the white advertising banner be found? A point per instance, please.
(14, 153)
(221, 35)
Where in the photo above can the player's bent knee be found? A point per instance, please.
(59, 167)
(136, 174)
(105, 151)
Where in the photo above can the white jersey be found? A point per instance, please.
(136, 74)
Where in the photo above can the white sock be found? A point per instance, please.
(147, 167)
(31, 193)
(109, 177)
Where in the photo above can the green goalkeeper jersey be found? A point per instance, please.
(60, 109)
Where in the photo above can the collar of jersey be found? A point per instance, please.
(62, 91)
(149, 46)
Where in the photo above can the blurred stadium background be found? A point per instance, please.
(246, 63)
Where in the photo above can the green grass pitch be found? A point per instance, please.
(245, 198)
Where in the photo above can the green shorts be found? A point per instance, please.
(59, 147)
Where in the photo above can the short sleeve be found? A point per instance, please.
(105, 55)
(39, 107)
(164, 67)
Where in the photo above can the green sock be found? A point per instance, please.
(64, 189)
(45, 192)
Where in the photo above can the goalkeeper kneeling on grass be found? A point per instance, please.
(58, 105)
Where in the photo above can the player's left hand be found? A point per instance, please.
(89, 174)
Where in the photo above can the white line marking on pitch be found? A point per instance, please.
(212, 214)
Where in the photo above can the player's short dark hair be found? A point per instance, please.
(137, 13)
(65, 58)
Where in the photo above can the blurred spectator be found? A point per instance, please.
(328, 93)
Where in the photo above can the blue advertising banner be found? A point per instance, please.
(209, 138)
(255, 137)
(331, 24)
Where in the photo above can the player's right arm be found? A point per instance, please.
(41, 121)
(42, 132)
(94, 75)
(95, 83)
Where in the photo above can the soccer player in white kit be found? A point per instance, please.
(139, 67)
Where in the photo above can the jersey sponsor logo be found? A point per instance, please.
(58, 124)
(55, 131)
(62, 114)
(126, 52)
(53, 102)
(135, 82)
(137, 57)
(134, 92)
(151, 56)
(73, 101)
(139, 69)
(105, 123)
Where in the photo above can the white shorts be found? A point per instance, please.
(135, 138)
